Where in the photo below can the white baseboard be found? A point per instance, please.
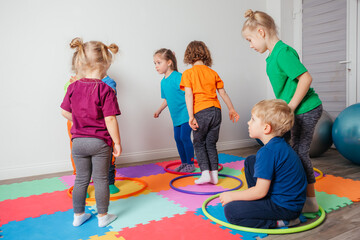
(34, 170)
(63, 166)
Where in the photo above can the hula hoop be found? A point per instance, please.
(321, 175)
(167, 169)
(260, 230)
(203, 193)
(143, 183)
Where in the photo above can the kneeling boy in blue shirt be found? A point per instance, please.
(275, 176)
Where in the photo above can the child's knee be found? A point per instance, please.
(250, 160)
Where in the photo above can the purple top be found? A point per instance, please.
(90, 101)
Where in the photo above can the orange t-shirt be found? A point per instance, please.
(204, 82)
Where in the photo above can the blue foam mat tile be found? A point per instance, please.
(57, 226)
(227, 158)
(217, 211)
(141, 209)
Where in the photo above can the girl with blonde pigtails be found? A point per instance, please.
(91, 105)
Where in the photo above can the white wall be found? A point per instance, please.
(35, 64)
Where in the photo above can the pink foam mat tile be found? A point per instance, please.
(69, 180)
(186, 226)
(34, 206)
(238, 165)
(191, 201)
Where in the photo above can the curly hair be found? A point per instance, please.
(195, 51)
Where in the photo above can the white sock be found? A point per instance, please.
(106, 220)
(214, 177)
(205, 177)
(310, 205)
(280, 223)
(80, 219)
(284, 223)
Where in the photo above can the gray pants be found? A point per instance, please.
(206, 137)
(301, 137)
(91, 157)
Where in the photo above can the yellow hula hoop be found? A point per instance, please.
(319, 172)
(112, 198)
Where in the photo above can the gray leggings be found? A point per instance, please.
(301, 137)
(91, 157)
(206, 137)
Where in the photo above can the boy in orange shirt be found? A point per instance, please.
(200, 84)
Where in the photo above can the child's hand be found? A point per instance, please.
(157, 114)
(234, 116)
(193, 124)
(225, 198)
(117, 150)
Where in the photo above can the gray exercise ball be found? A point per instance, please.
(322, 138)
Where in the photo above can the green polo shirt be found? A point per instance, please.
(283, 66)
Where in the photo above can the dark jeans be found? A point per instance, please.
(206, 137)
(262, 213)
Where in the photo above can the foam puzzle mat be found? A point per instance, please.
(42, 209)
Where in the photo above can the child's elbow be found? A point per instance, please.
(261, 193)
(310, 79)
(64, 113)
(109, 119)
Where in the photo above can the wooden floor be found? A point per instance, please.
(342, 224)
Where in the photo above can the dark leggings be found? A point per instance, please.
(91, 157)
(262, 213)
(206, 137)
(301, 137)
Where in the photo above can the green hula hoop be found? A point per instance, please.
(261, 230)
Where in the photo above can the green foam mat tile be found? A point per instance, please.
(26, 189)
(329, 202)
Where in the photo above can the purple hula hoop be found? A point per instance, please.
(167, 168)
(203, 193)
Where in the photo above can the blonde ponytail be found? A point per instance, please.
(79, 54)
(249, 13)
(76, 43)
(258, 18)
(113, 48)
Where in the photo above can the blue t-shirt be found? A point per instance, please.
(110, 82)
(175, 98)
(278, 162)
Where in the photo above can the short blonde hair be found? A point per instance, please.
(276, 113)
(93, 55)
(258, 18)
(195, 51)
